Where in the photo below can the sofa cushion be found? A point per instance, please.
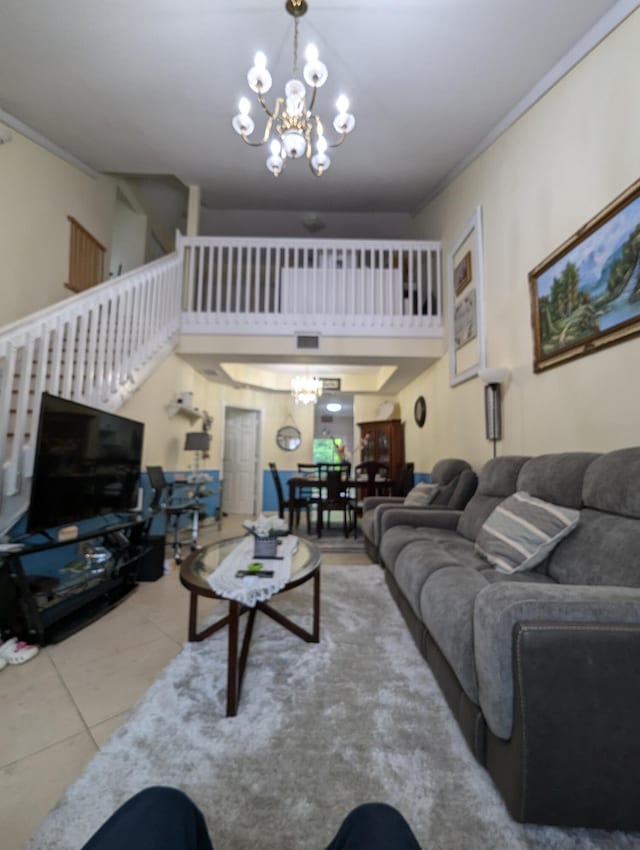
(421, 495)
(602, 550)
(611, 483)
(556, 478)
(498, 607)
(457, 493)
(446, 609)
(522, 531)
(400, 526)
(497, 480)
(604, 547)
(422, 557)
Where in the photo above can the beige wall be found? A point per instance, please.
(38, 190)
(164, 434)
(558, 166)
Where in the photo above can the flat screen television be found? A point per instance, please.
(86, 464)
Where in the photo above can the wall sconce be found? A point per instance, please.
(492, 379)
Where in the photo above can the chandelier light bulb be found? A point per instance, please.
(275, 164)
(260, 60)
(243, 124)
(244, 106)
(311, 53)
(342, 103)
(320, 162)
(275, 147)
(259, 78)
(344, 122)
(321, 144)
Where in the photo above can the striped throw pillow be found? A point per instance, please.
(522, 531)
(421, 495)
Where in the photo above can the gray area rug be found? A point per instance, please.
(321, 728)
(333, 540)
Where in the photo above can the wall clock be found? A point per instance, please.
(420, 411)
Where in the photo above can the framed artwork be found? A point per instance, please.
(465, 326)
(462, 273)
(465, 318)
(586, 295)
(331, 384)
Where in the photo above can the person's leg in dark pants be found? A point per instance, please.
(155, 819)
(374, 826)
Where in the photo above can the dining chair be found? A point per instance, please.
(335, 496)
(404, 481)
(300, 502)
(375, 473)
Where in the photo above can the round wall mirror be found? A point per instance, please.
(288, 438)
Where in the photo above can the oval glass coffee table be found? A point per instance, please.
(194, 572)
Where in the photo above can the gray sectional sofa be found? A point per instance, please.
(541, 668)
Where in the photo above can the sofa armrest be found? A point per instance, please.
(572, 759)
(371, 502)
(417, 517)
(500, 607)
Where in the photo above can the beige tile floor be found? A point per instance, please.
(57, 710)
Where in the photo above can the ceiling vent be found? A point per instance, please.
(307, 341)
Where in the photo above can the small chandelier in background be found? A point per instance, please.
(298, 131)
(305, 389)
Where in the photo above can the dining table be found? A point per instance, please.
(299, 483)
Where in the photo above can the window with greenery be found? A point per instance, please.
(325, 450)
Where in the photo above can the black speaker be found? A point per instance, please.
(151, 564)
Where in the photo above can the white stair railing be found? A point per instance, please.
(94, 348)
(342, 286)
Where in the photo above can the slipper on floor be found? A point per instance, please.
(15, 651)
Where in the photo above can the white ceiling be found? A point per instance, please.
(149, 88)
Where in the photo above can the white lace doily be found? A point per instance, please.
(253, 589)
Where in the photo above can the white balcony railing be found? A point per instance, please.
(278, 286)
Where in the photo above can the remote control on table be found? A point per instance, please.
(256, 573)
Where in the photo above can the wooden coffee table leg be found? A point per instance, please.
(232, 660)
(316, 607)
(193, 615)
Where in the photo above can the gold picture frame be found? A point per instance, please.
(585, 296)
(462, 274)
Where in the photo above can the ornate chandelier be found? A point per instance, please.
(305, 389)
(293, 130)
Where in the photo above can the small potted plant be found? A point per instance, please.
(266, 531)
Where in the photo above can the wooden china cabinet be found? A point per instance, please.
(383, 442)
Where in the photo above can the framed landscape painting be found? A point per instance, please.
(586, 295)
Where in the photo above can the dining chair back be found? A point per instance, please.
(300, 502)
(336, 497)
(375, 474)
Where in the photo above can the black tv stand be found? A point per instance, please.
(52, 607)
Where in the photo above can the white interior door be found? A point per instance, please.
(240, 462)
